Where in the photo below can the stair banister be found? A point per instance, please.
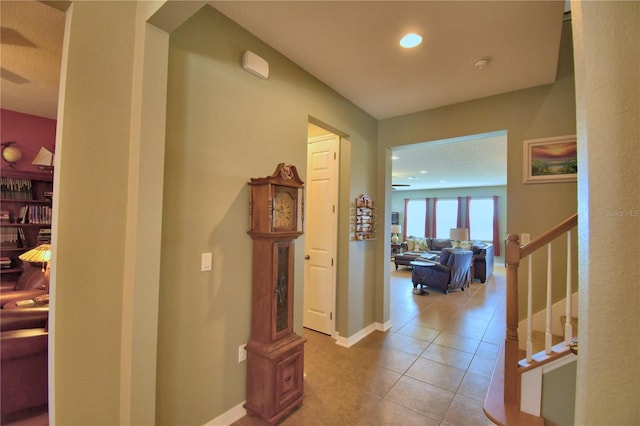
(568, 328)
(514, 252)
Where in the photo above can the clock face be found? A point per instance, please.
(284, 209)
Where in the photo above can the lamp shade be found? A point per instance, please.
(396, 229)
(44, 158)
(459, 234)
(40, 254)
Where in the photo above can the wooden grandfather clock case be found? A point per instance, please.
(275, 354)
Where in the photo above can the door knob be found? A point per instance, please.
(307, 257)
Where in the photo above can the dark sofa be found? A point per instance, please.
(417, 247)
(482, 261)
(32, 282)
(23, 362)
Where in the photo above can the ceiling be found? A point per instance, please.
(465, 162)
(352, 46)
(31, 46)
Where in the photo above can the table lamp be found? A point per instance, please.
(395, 230)
(40, 254)
(43, 159)
(456, 235)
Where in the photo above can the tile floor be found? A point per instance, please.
(431, 368)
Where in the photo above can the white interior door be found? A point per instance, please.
(320, 233)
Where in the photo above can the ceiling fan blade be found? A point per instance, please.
(400, 184)
(12, 77)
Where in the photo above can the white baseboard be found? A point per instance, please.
(384, 327)
(355, 338)
(229, 417)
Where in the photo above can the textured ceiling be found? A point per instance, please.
(31, 36)
(352, 46)
(475, 161)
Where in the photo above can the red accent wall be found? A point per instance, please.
(30, 132)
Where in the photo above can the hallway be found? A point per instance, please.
(432, 368)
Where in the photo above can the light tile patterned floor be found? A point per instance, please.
(432, 368)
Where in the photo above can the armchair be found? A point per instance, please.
(453, 271)
(483, 261)
(32, 282)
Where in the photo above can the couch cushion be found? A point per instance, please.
(440, 243)
(416, 244)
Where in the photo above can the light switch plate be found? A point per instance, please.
(242, 352)
(206, 261)
(525, 238)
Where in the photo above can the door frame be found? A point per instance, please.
(334, 248)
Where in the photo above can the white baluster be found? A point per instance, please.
(568, 329)
(530, 310)
(547, 328)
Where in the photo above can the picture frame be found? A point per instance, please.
(550, 160)
(395, 218)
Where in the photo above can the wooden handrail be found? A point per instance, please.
(513, 253)
(548, 236)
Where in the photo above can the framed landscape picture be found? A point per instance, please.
(551, 160)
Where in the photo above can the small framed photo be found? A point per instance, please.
(395, 218)
(550, 160)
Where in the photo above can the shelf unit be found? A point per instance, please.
(365, 218)
(26, 216)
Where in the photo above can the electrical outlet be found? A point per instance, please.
(525, 238)
(242, 352)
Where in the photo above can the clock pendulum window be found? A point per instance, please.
(275, 354)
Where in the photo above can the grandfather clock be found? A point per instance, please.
(275, 354)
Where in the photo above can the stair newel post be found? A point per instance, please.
(511, 353)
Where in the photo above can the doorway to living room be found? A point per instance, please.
(457, 183)
(451, 183)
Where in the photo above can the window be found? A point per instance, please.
(416, 213)
(446, 217)
(481, 219)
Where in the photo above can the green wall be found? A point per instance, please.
(559, 395)
(537, 112)
(224, 126)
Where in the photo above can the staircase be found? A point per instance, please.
(515, 393)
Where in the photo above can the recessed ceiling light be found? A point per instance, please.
(423, 171)
(395, 157)
(411, 177)
(410, 40)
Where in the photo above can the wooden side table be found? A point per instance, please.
(395, 249)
